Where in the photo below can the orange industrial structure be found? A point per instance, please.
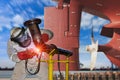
(64, 20)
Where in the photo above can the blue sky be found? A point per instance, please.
(15, 12)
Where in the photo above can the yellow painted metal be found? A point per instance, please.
(50, 65)
(67, 69)
(50, 68)
(51, 62)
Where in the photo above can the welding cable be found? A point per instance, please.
(38, 66)
(52, 46)
(65, 53)
(61, 77)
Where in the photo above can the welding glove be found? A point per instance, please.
(45, 37)
(27, 54)
(46, 34)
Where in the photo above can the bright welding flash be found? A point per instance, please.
(38, 50)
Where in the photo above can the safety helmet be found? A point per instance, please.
(16, 32)
(20, 36)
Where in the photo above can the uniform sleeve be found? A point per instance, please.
(12, 52)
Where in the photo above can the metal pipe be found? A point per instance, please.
(35, 31)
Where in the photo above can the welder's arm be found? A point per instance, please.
(27, 54)
(16, 56)
(12, 53)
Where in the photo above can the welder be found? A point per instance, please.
(23, 51)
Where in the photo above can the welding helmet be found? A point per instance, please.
(20, 36)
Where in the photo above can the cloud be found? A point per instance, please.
(6, 10)
(39, 2)
(30, 10)
(99, 23)
(3, 52)
(103, 40)
(82, 49)
(102, 62)
(41, 17)
(20, 2)
(17, 20)
(3, 46)
(2, 43)
(88, 21)
(85, 40)
(48, 2)
(4, 22)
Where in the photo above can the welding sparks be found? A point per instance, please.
(38, 50)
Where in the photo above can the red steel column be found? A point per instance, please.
(65, 24)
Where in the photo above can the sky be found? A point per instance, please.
(15, 12)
